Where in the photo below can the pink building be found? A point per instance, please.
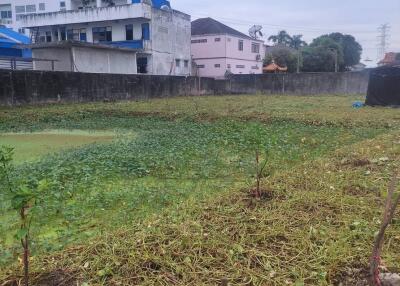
(217, 48)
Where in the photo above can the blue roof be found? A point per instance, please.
(14, 36)
(9, 41)
(156, 3)
(6, 41)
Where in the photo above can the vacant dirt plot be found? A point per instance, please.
(174, 203)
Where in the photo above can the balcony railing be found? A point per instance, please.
(120, 12)
(135, 44)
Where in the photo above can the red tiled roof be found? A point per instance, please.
(273, 67)
(390, 58)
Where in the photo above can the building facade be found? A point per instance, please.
(159, 35)
(218, 49)
(84, 57)
(12, 11)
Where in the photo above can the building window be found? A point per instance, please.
(177, 63)
(6, 15)
(30, 8)
(146, 31)
(70, 34)
(21, 30)
(240, 66)
(200, 41)
(240, 45)
(73, 34)
(48, 36)
(78, 35)
(82, 35)
(63, 34)
(255, 68)
(186, 63)
(218, 39)
(18, 17)
(102, 34)
(228, 66)
(255, 48)
(142, 64)
(217, 65)
(42, 6)
(201, 66)
(19, 9)
(129, 32)
(62, 6)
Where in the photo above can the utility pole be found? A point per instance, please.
(383, 40)
(298, 60)
(336, 61)
(336, 55)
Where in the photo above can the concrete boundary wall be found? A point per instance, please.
(298, 84)
(36, 87)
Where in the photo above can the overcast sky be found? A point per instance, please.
(311, 18)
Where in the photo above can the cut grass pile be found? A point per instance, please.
(171, 205)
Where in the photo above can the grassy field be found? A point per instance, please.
(30, 146)
(159, 192)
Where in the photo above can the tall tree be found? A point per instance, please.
(332, 47)
(282, 38)
(297, 42)
(317, 59)
(350, 49)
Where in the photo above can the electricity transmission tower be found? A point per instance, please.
(383, 40)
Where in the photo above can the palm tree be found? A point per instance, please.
(297, 42)
(282, 38)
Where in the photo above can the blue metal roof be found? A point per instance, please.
(5, 41)
(14, 36)
(9, 41)
(156, 3)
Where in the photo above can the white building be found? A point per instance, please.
(11, 11)
(159, 35)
